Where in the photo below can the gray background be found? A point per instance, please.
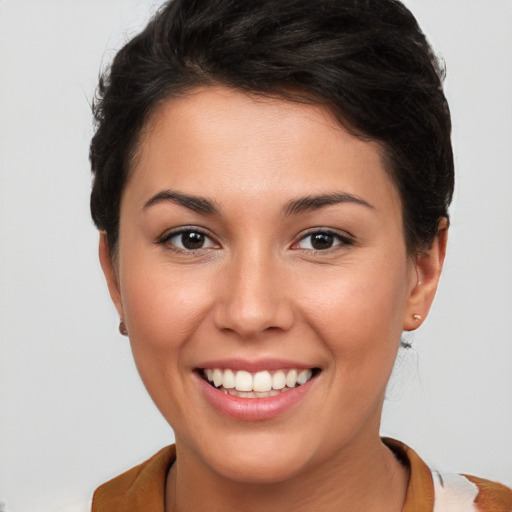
(73, 412)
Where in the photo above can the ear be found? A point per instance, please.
(110, 274)
(428, 265)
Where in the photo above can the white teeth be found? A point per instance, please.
(291, 378)
(303, 377)
(228, 381)
(243, 381)
(256, 385)
(243, 394)
(217, 377)
(262, 382)
(279, 380)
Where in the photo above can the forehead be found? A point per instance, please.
(216, 140)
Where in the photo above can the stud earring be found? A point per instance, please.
(122, 328)
(417, 317)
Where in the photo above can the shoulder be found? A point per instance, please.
(454, 492)
(143, 482)
(430, 490)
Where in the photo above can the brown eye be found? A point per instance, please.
(323, 241)
(192, 240)
(188, 240)
(320, 241)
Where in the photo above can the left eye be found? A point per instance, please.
(322, 240)
(189, 240)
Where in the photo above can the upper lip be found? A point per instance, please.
(255, 365)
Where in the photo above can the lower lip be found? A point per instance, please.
(254, 409)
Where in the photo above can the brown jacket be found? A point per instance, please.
(142, 488)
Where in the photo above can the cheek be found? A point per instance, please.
(164, 309)
(359, 311)
(358, 317)
(163, 299)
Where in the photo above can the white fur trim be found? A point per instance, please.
(453, 493)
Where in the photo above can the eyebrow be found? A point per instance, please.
(311, 203)
(296, 206)
(194, 203)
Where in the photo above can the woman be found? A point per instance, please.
(272, 181)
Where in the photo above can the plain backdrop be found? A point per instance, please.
(73, 412)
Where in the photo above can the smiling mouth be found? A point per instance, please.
(261, 384)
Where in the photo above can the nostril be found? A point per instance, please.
(251, 319)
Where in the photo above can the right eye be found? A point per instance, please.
(188, 240)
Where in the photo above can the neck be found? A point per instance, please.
(364, 477)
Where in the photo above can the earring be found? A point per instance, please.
(417, 317)
(122, 328)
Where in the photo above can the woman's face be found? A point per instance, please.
(260, 241)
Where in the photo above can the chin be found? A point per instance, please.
(257, 459)
(260, 469)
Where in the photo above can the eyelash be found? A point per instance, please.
(343, 240)
(167, 237)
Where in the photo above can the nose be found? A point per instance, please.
(253, 297)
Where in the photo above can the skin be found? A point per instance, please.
(258, 289)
